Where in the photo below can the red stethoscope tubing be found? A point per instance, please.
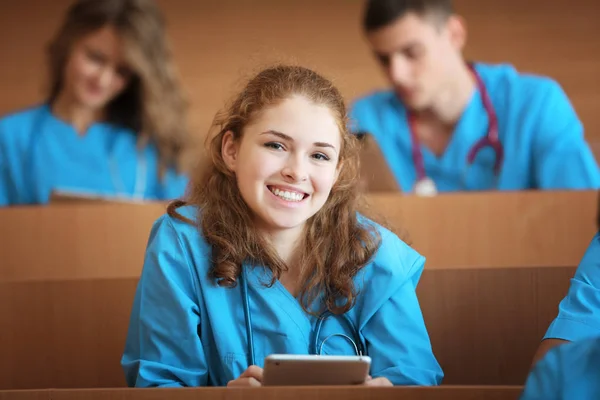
(489, 140)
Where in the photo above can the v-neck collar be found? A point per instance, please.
(284, 300)
(459, 134)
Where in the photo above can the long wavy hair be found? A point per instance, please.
(336, 243)
(152, 104)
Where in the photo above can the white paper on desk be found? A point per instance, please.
(72, 196)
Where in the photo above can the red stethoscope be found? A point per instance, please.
(425, 185)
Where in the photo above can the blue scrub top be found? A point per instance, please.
(543, 139)
(40, 153)
(187, 331)
(569, 371)
(579, 312)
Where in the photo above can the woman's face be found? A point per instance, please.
(286, 163)
(96, 71)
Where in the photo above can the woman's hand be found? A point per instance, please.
(381, 381)
(252, 377)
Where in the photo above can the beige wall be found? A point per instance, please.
(217, 42)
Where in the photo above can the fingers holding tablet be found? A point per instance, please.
(251, 377)
(380, 382)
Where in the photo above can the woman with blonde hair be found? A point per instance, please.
(268, 254)
(114, 123)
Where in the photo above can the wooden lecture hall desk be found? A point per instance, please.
(497, 266)
(275, 393)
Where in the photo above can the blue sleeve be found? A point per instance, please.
(568, 371)
(3, 176)
(579, 311)
(163, 347)
(543, 382)
(562, 157)
(396, 336)
(361, 117)
(5, 180)
(173, 186)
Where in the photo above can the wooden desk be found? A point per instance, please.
(454, 231)
(494, 230)
(316, 393)
(497, 267)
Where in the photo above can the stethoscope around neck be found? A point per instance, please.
(315, 347)
(424, 185)
(121, 191)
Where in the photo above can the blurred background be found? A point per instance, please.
(219, 43)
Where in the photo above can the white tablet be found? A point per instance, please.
(302, 370)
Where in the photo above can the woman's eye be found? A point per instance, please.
(321, 157)
(274, 145)
(95, 57)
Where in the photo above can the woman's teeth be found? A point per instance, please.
(287, 196)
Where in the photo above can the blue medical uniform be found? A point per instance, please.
(569, 371)
(187, 331)
(579, 312)
(541, 134)
(40, 153)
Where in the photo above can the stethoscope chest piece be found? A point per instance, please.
(425, 187)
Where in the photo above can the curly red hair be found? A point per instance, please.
(337, 243)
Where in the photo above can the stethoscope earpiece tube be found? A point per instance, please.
(247, 316)
(315, 348)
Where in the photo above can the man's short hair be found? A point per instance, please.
(380, 13)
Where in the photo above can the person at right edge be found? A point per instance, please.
(567, 362)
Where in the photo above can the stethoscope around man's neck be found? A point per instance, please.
(424, 185)
(119, 187)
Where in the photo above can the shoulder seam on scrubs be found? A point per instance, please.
(185, 256)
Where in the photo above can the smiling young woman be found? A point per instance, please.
(267, 245)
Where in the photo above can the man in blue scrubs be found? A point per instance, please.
(440, 109)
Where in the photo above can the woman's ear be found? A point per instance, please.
(229, 149)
